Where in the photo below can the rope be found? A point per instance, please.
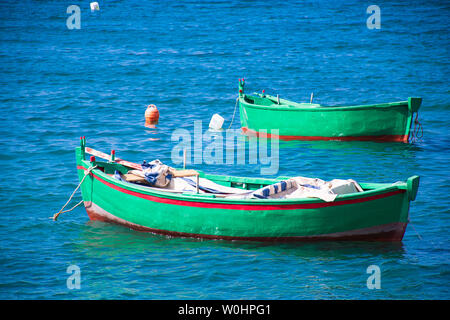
(421, 238)
(55, 216)
(417, 128)
(237, 99)
(418, 235)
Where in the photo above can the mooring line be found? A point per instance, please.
(417, 129)
(232, 119)
(55, 216)
(418, 235)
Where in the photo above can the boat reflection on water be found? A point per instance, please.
(97, 236)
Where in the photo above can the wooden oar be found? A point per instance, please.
(108, 157)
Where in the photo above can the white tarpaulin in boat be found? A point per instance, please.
(159, 175)
(300, 187)
(313, 188)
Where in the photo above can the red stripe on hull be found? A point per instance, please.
(381, 138)
(386, 232)
(213, 205)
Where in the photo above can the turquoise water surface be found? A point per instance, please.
(59, 84)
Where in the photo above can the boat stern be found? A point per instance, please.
(414, 104)
(412, 185)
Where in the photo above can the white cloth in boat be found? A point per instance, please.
(187, 184)
(156, 173)
(301, 187)
(294, 188)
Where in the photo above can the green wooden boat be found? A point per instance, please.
(379, 213)
(261, 113)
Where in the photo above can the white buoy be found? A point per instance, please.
(216, 122)
(94, 6)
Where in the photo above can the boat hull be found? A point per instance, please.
(388, 232)
(383, 122)
(380, 215)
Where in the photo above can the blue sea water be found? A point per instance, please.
(58, 84)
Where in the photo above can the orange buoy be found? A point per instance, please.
(151, 115)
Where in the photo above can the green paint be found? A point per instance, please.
(263, 113)
(243, 223)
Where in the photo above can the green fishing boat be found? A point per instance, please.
(229, 209)
(261, 113)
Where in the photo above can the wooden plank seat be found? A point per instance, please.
(184, 173)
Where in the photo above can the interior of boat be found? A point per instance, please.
(192, 181)
(271, 101)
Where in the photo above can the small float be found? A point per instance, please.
(260, 113)
(155, 198)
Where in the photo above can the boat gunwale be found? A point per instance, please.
(380, 189)
(316, 108)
